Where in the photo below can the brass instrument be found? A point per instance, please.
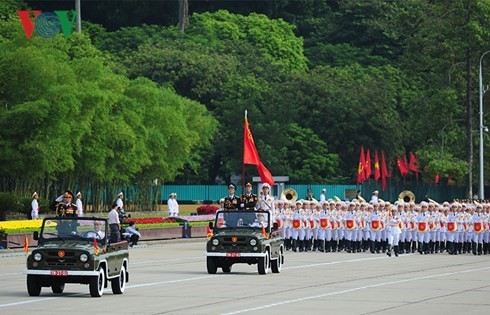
(289, 194)
(406, 196)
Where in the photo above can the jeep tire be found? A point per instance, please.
(226, 268)
(58, 288)
(211, 265)
(263, 264)
(33, 285)
(97, 283)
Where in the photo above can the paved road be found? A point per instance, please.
(171, 279)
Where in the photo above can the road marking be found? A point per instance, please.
(28, 302)
(335, 262)
(352, 290)
(163, 260)
(168, 282)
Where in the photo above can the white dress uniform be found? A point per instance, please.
(477, 221)
(422, 235)
(393, 227)
(120, 203)
(35, 209)
(79, 207)
(349, 222)
(173, 207)
(375, 230)
(266, 203)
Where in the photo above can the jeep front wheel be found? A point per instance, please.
(58, 288)
(226, 268)
(119, 284)
(263, 264)
(96, 284)
(33, 285)
(211, 265)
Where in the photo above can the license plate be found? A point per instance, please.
(232, 255)
(59, 273)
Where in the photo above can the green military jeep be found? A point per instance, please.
(77, 250)
(244, 237)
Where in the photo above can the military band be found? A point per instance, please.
(382, 227)
(375, 227)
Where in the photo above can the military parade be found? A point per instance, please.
(375, 227)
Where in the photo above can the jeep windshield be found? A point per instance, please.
(242, 219)
(81, 229)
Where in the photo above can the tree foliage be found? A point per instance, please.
(319, 79)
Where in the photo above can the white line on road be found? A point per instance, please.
(164, 260)
(352, 290)
(28, 302)
(167, 282)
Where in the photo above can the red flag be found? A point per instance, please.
(360, 170)
(413, 165)
(384, 171)
(26, 244)
(377, 170)
(96, 246)
(264, 232)
(251, 155)
(368, 164)
(402, 166)
(209, 232)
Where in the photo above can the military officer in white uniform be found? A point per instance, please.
(35, 206)
(79, 204)
(266, 202)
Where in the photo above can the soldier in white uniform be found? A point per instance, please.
(173, 207)
(393, 226)
(266, 202)
(296, 224)
(323, 196)
(315, 220)
(452, 229)
(120, 202)
(423, 226)
(34, 207)
(79, 204)
(349, 221)
(477, 221)
(375, 229)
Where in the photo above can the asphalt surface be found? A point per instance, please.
(170, 278)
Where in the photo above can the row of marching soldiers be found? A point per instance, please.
(398, 228)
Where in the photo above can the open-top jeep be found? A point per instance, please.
(77, 250)
(244, 237)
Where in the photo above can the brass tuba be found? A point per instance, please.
(406, 196)
(289, 194)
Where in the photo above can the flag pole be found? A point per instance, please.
(243, 155)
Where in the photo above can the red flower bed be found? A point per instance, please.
(207, 210)
(150, 220)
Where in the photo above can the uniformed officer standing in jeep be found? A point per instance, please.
(232, 202)
(65, 207)
(249, 199)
